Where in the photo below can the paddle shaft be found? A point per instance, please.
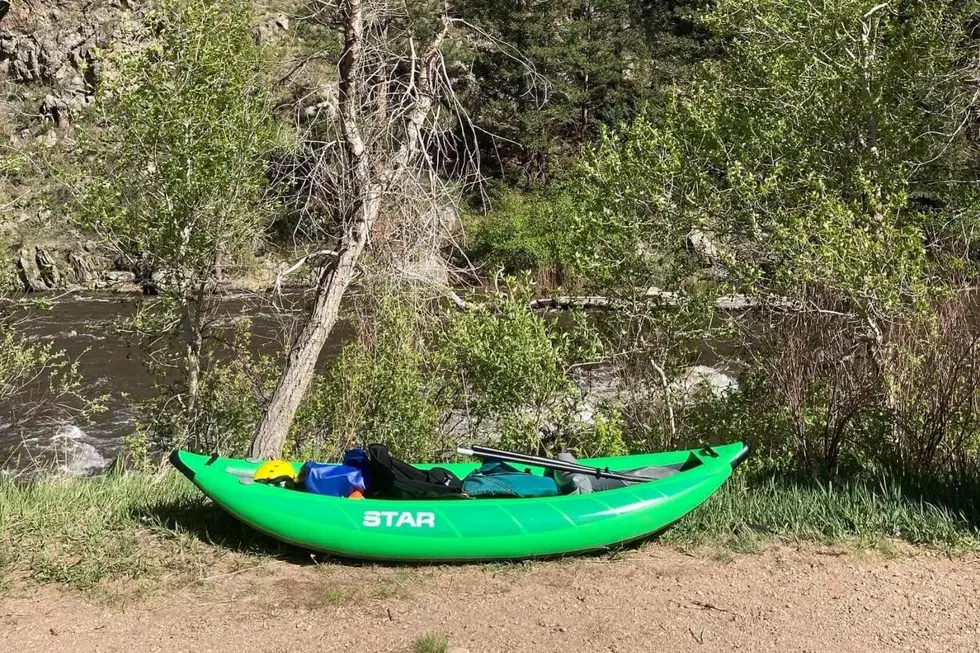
(547, 463)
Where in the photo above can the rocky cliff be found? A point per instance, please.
(49, 70)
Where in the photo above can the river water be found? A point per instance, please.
(82, 325)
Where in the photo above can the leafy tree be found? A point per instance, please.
(595, 62)
(174, 171)
(802, 152)
(825, 157)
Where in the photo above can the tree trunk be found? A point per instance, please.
(370, 172)
(270, 436)
(193, 308)
(668, 404)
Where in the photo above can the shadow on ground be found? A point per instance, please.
(215, 527)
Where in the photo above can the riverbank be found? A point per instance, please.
(122, 536)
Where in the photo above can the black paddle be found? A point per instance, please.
(547, 463)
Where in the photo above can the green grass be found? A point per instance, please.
(431, 643)
(743, 515)
(80, 532)
(158, 531)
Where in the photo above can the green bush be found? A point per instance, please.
(38, 380)
(409, 374)
(382, 388)
(9, 282)
(233, 389)
(522, 233)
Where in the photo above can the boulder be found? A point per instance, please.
(700, 381)
(25, 66)
(56, 110)
(702, 243)
(323, 103)
(8, 45)
(429, 269)
(81, 267)
(47, 268)
(119, 276)
(30, 278)
(270, 28)
(48, 139)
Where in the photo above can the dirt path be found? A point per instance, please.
(654, 599)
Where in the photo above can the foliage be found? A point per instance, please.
(175, 148)
(414, 381)
(38, 380)
(607, 438)
(565, 68)
(8, 277)
(511, 370)
(522, 233)
(823, 160)
(174, 177)
(803, 163)
(380, 389)
(507, 359)
(937, 388)
(431, 643)
(232, 392)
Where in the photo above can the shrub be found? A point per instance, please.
(522, 233)
(381, 388)
(232, 393)
(38, 380)
(409, 374)
(8, 275)
(936, 411)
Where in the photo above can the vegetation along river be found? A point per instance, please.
(84, 326)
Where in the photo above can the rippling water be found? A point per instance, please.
(82, 324)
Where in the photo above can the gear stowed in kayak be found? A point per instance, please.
(477, 529)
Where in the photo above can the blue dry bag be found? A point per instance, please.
(333, 480)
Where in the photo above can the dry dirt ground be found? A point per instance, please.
(652, 599)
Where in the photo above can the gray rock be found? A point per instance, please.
(116, 277)
(47, 268)
(80, 266)
(699, 381)
(48, 139)
(426, 269)
(701, 242)
(270, 28)
(56, 110)
(324, 103)
(30, 278)
(73, 41)
(51, 57)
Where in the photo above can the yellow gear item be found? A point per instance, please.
(275, 472)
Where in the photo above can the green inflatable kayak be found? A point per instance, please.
(468, 529)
